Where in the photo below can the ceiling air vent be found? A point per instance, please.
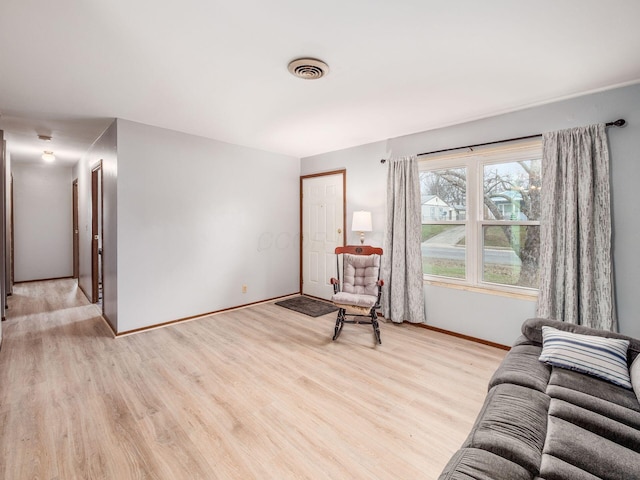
(308, 68)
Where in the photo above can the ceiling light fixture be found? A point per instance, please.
(308, 68)
(48, 156)
(46, 138)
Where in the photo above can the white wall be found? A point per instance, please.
(366, 184)
(197, 219)
(104, 150)
(493, 317)
(107, 144)
(42, 221)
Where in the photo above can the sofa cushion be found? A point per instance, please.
(557, 469)
(532, 329)
(601, 425)
(512, 424)
(587, 451)
(594, 387)
(522, 367)
(605, 358)
(476, 464)
(611, 410)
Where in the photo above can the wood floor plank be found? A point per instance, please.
(256, 393)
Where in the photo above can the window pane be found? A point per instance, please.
(512, 191)
(443, 194)
(510, 255)
(443, 250)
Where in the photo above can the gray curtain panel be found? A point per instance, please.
(576, 273)
(402, 295)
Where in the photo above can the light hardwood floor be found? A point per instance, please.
(256, 393)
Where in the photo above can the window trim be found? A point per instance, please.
(474, 162)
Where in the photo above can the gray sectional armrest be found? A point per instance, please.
(522, 367)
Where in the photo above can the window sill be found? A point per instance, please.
(532, 297)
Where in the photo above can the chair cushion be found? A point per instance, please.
(344, 298)
(361, 274)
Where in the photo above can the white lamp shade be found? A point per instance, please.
(361, 222)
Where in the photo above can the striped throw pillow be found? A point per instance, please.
(601, 357)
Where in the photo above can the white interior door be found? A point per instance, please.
(322, 231)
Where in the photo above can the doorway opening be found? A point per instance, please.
(76, 231)
(97, 262)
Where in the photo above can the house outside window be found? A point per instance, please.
(481, 217)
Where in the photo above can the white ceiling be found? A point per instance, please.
(219, 68)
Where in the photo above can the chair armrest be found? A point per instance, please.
(336, 284)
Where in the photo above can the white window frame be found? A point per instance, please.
(474, 162)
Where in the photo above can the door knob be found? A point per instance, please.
(339, 230)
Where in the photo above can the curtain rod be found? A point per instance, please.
(621, 122)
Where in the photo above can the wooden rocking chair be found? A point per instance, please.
(357, 294)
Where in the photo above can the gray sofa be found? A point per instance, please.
(549, 423)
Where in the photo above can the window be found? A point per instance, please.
(485, 229)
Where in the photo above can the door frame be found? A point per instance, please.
(11, 240)
(3, 226)
(97, 260)
(342, 172)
